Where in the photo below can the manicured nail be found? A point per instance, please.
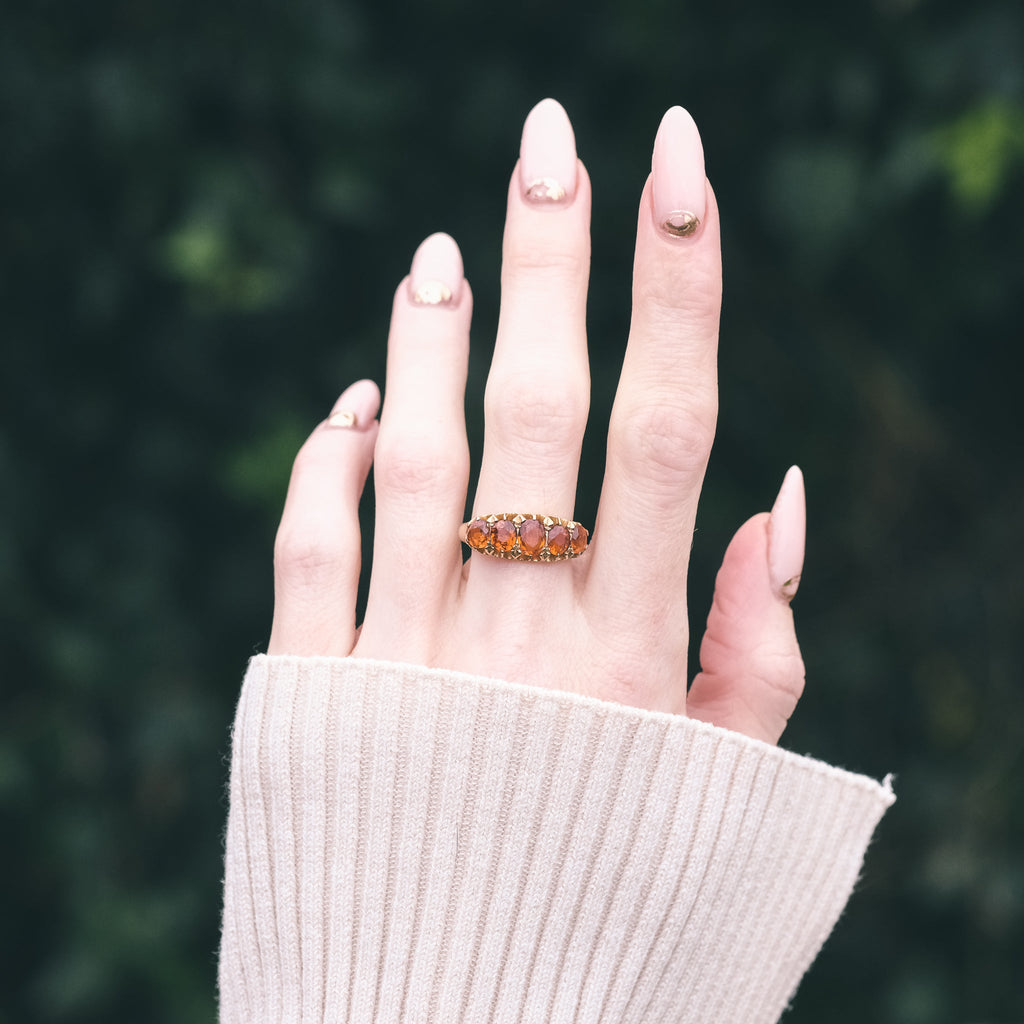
(436, 275)
(786, 530)
(679, 197)
(547, 155)
(356, 407)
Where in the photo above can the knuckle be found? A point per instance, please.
(650, 681)
(542, 413)
(419, 465)
(305, 557)
(552, 256)
(668, 441)
(694, 298)
(780, 669)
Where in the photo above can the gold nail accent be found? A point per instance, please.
(343, 418)
(681, 223)
(545, 190)
(432, 293)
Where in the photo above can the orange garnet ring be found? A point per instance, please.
(525, 538)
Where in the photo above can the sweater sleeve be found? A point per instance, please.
(417, 845)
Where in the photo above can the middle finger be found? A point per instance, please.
(663, 420)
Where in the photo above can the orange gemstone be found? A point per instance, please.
(558, 540)
(503, 535)
(477, 533)
(579, 539)
(531, 537)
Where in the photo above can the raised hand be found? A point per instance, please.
(611, 623)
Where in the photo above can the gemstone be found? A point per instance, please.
(503, 535)
(558, 540)
(477, 534)
(578, 535)
(531, 537)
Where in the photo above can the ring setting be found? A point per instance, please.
(525, 537)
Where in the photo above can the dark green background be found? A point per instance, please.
(206, 207)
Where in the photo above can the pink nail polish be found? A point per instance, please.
(547, 155)
(356, 407)
(436, 275)
(786, 531)
(678, 189)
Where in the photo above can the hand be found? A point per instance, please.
(612, 623)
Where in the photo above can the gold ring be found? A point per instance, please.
(525, 538)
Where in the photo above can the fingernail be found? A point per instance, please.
(786, 530)
(356, 407)
(436, 275)
(679, 196)
(547, 155)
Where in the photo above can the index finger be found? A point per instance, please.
(663, 420)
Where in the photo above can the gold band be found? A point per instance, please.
(525, 538)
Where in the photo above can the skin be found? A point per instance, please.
(613, 623)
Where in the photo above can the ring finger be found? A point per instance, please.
(538, 389)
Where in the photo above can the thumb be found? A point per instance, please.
(752, 674)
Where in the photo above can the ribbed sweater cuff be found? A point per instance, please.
(416, 845)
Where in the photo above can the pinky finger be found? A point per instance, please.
(752, 674)
(317, 551)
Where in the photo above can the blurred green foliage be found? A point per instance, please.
(206, 208)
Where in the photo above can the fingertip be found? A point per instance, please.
(436, 276)
(547, 155)
(357, 406)
(678, 194)
(677, 279)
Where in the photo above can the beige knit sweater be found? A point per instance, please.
(416, 845)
